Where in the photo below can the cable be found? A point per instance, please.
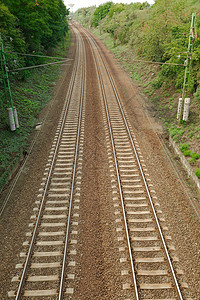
(52, 57)
(36, 66)
(26, 54)
(155, 62)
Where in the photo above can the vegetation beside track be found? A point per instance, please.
(30, 96)
(41, 28)
(157, 33)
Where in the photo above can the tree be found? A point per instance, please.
(42, 22)
(11, 35)
(116, 8)
(100, 13)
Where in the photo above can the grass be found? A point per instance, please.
(29, 96)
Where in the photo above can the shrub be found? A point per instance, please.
(100, 13)
(197, 94)
(197, 172)
(184, 147)
(192, 161)
(187, 153)
(173, 131)
(195, 155)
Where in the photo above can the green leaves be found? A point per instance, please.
(42, 25)
(197, 172)
(100, 13)
(29, 28)
(184, 147)
(11, 35)
(116, 8)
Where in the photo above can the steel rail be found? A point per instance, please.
(118, 176)
(28, 257)
(144, 180)
(73, 177)
(142, 174)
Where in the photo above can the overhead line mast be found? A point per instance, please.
(187, 76)
(12, 112)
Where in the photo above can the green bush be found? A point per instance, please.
(197, 172)
(197, 94)
(158, 82)
(183, 147)
(100, 13)
(173, 131)
(195, 155)
(192, 161)
(187, 153)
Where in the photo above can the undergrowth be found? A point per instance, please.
(29, 97)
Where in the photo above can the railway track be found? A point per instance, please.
(154, 266)
(149, 266)
(47, 261)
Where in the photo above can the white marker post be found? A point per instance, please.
(186, 109)
(11, 119)
(179, 108)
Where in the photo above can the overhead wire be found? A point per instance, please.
(62, 59)
(37, 55)
(36, 66)
(156, 62)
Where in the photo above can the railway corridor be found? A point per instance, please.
(97, 230)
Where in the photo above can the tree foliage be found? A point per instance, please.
(42, 22)
(158, 33)
(100, 13)
(30, 26)
(85, 15)
(10, 32)
(116, 8)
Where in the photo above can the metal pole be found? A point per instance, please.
(114, 31)
(187, 63)
(7, 88)
(100, 22)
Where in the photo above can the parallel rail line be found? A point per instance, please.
(150, 263)
(56, 201)
(133, 198)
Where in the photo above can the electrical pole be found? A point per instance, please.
(186, 82)
(63, 31)
(100, 22)
(12, 112)
(114, 30)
